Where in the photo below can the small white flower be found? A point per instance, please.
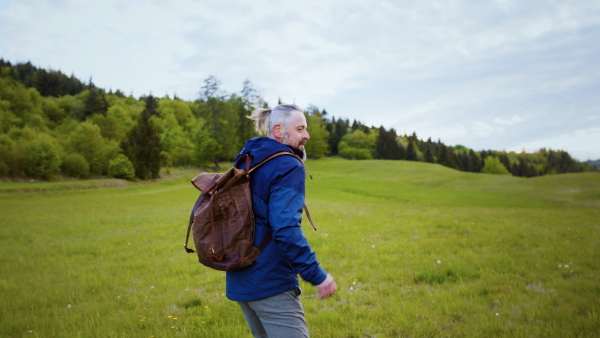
(186, 290)
(30, 331)
(351, 288)
(439, 262)
(497, 314)
(68, 306)
(566, 266)
(373, 246)
(152, 287)
(560, 265)
(128, 243)
(353, 283)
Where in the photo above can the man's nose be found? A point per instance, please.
(306, 136)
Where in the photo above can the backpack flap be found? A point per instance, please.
(205, 181)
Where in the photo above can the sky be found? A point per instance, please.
(488, 75)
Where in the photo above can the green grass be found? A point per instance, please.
(417, 250)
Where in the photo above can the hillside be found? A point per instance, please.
(407, 182)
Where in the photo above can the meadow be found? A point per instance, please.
(417, 250)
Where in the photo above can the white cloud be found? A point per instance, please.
(513, 120)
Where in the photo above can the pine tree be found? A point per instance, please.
(151, 104)
(446, 156)
(474, 162)
(95, 103)
(339, 129)
(429, 153)
(387, 146)
(411, 151)
(146, 148)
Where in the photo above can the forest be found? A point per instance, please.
(53, 125)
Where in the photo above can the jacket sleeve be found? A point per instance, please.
(286, 202)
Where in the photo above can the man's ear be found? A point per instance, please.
(278, 131)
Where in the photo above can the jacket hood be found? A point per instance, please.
(260, 148)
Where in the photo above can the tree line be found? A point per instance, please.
(52, 125)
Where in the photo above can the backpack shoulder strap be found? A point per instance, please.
(276, 155)
(270, 158)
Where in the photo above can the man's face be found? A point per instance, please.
(295, 133)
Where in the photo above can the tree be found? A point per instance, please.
(317, 146)
(446, 156)
(53, 113)
(146, 148)
(474, 162)
(205, 147)
(75, 165)
(429, 152)
(151, 104)
(355, 146)
(175, 121)
(43, 157)
(411, 150)
(7, 155)
(386, 146)
(121, 167)
(95, 102)
(250, 99)
(338, 130)
(492, 165)
(245, 125)
(110, 128)
(221, 119)
(87, 141)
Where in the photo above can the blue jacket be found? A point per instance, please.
(277, 200)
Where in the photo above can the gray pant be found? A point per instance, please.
(277, 316)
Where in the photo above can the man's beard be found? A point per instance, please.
(303, 142)
(285, 139)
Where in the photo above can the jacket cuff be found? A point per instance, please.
(319, 277)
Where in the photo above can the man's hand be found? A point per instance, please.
(327, 288)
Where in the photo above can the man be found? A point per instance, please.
(268, 290)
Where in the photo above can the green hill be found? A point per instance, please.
(407, 182)
(416, 249)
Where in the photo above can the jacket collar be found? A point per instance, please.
(260, 148)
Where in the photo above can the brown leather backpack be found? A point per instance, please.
(222, 219)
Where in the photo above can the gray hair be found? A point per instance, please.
(266, 119)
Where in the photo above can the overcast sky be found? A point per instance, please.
(502, 75)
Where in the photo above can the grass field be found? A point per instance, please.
(417, 250)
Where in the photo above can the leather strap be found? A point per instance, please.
(187, 237)
(265, 242)
(309, 219)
